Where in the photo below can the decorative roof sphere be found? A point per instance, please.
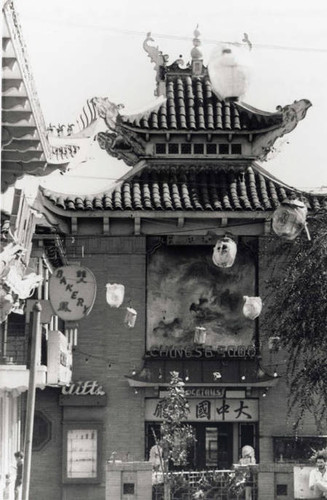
(229, 70)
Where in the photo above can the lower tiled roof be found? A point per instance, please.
(208, 188)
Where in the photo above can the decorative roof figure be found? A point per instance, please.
(159, 59)
(196, 54)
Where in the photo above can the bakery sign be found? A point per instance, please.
(72, 291)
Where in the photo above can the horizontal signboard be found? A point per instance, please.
(219, 351)
(208, 410)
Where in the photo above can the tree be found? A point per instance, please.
(175, 435)
(298, 315)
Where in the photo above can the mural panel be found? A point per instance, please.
(186, 290)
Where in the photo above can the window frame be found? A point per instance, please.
(87, 425)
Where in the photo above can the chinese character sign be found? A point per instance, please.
(213, 410)
(72, 291)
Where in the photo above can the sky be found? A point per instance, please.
(79, 49)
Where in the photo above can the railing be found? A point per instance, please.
(16, 350)
(238, 484)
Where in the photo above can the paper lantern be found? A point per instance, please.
(224, 252)
(289, 219)
(115, 294)
(252, 307)
(130, 317)
(200, 335)
(229, 71)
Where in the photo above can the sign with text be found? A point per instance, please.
(60, 359)
(199, 392)
(87, 393)
(209, 410)
(89, 387)
(218, 351)
(72, 291)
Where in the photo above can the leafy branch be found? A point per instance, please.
(298, 315)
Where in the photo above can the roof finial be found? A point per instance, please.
(196, 54)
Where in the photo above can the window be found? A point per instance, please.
(173, 149)
(82, 452)
(291, 450)
(42, 431)
(211, 149)
(223, 149)
(160, 149)
(198, 149)
(281, 490)
(186, 149)
(236, 149)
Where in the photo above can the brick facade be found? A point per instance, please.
(107, 351)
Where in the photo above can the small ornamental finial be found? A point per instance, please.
(196, 53)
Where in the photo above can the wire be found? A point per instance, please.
(179, 37)
(89, 355)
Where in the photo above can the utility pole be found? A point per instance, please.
(29, 424)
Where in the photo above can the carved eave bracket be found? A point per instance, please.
(123, 145)
(291, 115)
(160, 60)
(118, 141)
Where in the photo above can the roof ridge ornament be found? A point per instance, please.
(159, 59)
(196, 54)
(292, 114)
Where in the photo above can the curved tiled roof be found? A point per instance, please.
(192, 105)
(175, 188)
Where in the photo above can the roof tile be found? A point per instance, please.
(209, 188)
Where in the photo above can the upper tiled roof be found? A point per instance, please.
(173, 188)
(192, 105)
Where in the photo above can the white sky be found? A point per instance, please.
(82, 48)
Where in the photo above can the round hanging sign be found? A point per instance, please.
(72, 291)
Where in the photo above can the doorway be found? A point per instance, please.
(214, 446)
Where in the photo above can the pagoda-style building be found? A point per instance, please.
(195, 183)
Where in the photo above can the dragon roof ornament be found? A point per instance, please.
(160, 60)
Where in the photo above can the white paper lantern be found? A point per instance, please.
(200, 335)
(289, 219)
(224, 252)
(229, 71)
(115, 294)
(130, 317)
(252, 307)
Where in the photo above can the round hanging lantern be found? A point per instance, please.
(252, 307)
(289, 219)
(200, 335)
(229, 70)
(115, 294)
(224, 252)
